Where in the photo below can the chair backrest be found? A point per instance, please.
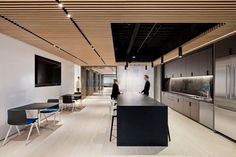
(77, 93)
(16, 117)
(53, 101)
(67, 99)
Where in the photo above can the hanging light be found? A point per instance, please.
(180, 52)
(162, 60)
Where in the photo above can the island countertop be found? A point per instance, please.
(137, 99)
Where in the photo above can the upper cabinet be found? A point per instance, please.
(225, 47)
(206, 61)
(196, 64)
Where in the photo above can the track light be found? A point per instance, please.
(162, 60)
(68, 15)
(145, 67)
(180, 52)
(152, 64)
(125, 67)
(60, 5)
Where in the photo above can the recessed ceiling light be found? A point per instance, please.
(60, 5)
(69, 15)
(133, 56)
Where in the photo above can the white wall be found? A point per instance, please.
(132, 79)
(17, 77)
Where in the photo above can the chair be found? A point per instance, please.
(114, 115)
(78, 96)
(68, 100)
(52, 110)
(17, 118)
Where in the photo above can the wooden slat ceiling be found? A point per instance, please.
(94, 17)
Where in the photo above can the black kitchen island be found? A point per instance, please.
(141, 121)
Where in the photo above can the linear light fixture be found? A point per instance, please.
(82, 33)
(45, 40)
(192, 77)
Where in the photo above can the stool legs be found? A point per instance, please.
(112, 122)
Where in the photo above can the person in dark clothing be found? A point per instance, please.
(147, 86)
(115, 90)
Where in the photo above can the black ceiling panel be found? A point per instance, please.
(144, 42)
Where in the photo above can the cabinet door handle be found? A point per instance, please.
(180, 75)
(177, 100)
(191, 73)
(190, 104)
(207, 72)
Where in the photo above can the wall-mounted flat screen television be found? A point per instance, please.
(47, 72)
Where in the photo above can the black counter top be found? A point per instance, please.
(136, 99)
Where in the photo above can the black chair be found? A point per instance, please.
(78, 96)
(17, 118)
(52, 110)
(68, 100)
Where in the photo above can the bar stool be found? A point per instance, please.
(114, 115)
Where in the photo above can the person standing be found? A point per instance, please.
(78, 84)
(115, 90)
(145, 91)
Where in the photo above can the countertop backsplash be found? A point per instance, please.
(200, 86)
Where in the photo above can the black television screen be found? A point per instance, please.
(47, 72)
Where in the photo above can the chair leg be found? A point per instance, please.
(73, 107)
(39, 118)
(18, 130)
(59, 115)
(111, 127)
(45, 117)
(8, 132)
(37, 128)
(31, 127)
(54, 118)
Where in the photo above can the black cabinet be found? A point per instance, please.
(205, 66)
(196, 64)
(225, 47)
(192, 65)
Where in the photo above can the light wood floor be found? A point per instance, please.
(85, 133)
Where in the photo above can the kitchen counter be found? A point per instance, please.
(141, 121)
(195, 97)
